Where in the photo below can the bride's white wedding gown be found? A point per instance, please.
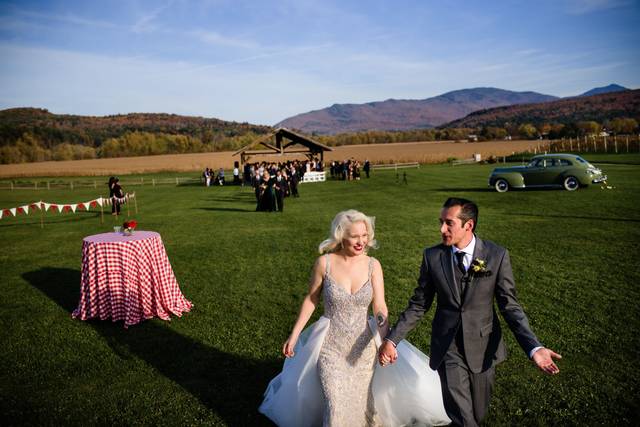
(334, 378)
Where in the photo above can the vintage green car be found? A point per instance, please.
(567, 171)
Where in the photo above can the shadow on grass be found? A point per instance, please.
(492, 190)
(590, 218)
(222, 209)
(234, 198)
(35, 220)
(465, 190)
(230, 385)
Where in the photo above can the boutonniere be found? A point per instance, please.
(479, 268)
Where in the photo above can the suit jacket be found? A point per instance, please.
(474, 312)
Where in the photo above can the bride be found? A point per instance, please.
(330, 376)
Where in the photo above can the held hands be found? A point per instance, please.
(387, 353)
(543, 358)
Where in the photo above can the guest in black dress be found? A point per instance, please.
(280, 185)
(115, 194)
(267, 201)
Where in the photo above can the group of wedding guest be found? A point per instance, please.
(349, 169)
(210, 177)
(273, 182)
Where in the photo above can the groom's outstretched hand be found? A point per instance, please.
(387, 354)
(543, 358)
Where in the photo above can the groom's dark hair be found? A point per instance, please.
(468, 209)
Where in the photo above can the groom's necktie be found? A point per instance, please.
(461, 272)
(460, 258)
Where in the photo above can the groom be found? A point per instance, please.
(466, 274)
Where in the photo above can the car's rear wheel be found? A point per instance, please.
(571, 183)
(501, 185)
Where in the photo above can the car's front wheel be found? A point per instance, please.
(501, 185)
(571, 183)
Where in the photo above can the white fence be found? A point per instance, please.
(396, 166)
(25, 184)
(474, 159)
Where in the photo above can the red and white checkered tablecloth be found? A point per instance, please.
(128, 278)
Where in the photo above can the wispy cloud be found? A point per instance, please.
(581, 7)
(216, 39)
(68, 18)
(145, 23)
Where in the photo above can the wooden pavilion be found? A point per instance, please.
(281, 143)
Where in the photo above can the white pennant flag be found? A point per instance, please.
(99, 200)
(1, 213)
(87, 205)
(73, 208)
(13, 211)
(25, 208)
(46, 206)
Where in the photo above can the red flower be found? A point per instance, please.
(130, 224)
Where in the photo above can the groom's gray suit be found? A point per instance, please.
(466, 338)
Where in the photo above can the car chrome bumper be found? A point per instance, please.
(603, 178)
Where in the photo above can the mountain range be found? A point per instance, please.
(599, 108)
(394, 114)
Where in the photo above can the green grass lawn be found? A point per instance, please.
(574, 255)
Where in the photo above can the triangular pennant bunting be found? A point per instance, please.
(13, 211)
(73, 208)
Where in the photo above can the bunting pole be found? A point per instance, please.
(128, 212)
(41, 217)
(101, 212)
(135, 202)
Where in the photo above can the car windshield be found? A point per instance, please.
(532, 163)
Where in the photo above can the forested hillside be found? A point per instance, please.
(599, 108)
(30, 134)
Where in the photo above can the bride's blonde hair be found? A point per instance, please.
(339, 226)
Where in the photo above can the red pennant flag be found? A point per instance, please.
(54, 207)
(19, 211)
(66, 208)
(34, 205)
(80, 205)
(93, 203)
(6, 212)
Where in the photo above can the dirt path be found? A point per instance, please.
(422, 152)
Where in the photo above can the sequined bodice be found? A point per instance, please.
(343, 308)
(347, 357)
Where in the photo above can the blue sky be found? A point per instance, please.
(262, 61)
